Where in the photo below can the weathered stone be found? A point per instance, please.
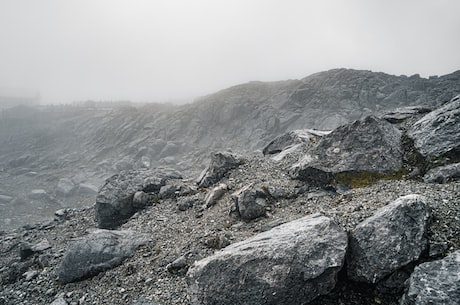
(435, 282)
(140, 199)
(394, 237)
(251, 203)
(179, 265)
(219, 165)
(443, 174)
(370, 145)
(291, 264)
(215, 194)
(292, 138)
(403, 113)
(114, 202)
(167, 191)
(98, 251)
(437, 134)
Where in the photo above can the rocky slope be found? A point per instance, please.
(58, 156)
(248, 228)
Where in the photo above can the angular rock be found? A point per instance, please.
(403, 113)
(292, 138)
(369, 145)
(100, 250)
(114, 202)
(291, 264)
(435, 282)
(140, 199)
(251, 203)
(437, 134)
(394, 237)
(167, 191)
(221, 163)
(442, 174)
(215, 194)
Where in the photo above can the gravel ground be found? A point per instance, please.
(198, 232)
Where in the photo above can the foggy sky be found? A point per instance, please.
(145, 50)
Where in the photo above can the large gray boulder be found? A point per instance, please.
(98, 251)
(437, 134)
(435, 282)
(290, 264)
(369, 145)
(114, 202)
(220, 164)
(394, 237)
(443, 174)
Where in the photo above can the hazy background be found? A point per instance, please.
(175, 49)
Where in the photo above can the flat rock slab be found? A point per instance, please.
(98, 251)
(436, 282)
(290, 264)
(394, 237)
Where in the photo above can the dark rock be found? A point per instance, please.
(290, 139)
(291, 264)
(220, 164)
(435, 283)
(114, 202)
(400, 114)
(215, 194)
(27, 249)
(394, 237)
(98, 251)
(443, 174)
(251, 203)
(370, 145)
(437, 134)
(167, 191)
(140, 199)
(178, 266)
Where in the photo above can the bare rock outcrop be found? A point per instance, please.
(437, 134)
(290, 264)
(369, 145)
(98, 251)
(435, 282)
(394, 237)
